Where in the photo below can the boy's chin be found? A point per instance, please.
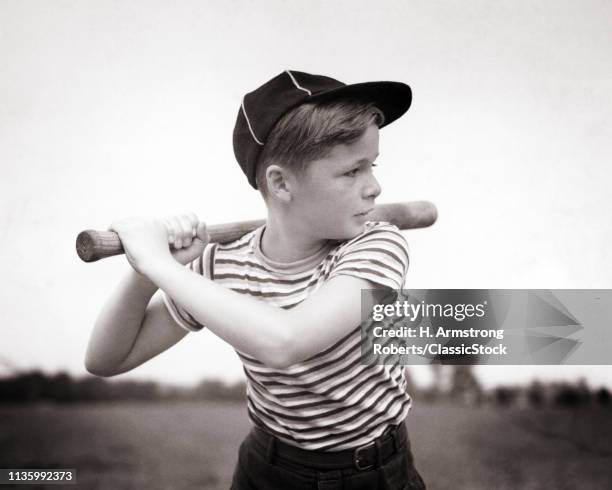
(347, 233)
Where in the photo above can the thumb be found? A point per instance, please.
(189, 254)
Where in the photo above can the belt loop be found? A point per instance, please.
(379, 455)
(396, 444)
(271, 450)
(404, 440)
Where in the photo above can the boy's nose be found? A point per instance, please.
(372, 188)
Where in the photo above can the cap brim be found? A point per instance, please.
(392, 98)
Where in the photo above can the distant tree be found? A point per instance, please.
(236, 391)
(572, 396)
(505, 396)
(29, 387)
(464, 385)
(61, 388)
(536, 394)
(91, 388)
(433, 392)
(217, 390)
(440, 378)
(584, 391)
(209, 389)
(602, 395)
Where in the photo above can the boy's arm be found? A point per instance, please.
(132, 328)
(118, 324)
(275, 336)
(279, 337)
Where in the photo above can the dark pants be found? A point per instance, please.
(264, 465)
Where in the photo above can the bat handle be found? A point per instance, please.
(92, 245)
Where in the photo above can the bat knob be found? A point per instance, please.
(92, 245)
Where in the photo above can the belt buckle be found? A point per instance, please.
(356, 459)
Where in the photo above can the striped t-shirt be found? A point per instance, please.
(330, 401)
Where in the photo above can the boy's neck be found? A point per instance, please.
(287, 244)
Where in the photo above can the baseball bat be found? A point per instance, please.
(92, 245)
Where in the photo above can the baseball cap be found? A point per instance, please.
(262, 108)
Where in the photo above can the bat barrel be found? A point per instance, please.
(406, 215)
(92, 245)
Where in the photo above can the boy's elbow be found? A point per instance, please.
(97, 370)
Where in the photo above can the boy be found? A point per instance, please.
(286, 296)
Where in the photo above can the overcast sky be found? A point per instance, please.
(112, 109)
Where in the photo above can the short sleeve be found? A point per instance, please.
(203, 266)
(379, 255)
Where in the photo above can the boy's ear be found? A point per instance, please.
(279, 185)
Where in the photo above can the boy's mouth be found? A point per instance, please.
(365, 213)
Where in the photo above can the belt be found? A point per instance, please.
(362, 458)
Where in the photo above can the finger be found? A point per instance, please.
(173, 228)
(116, 226)
(186, 230)
(166, 223)
(193, 221)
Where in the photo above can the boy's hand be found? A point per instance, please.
(146, 241)
(187, 236)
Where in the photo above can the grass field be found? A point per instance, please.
(185, 445)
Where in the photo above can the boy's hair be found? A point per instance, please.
(310, 131)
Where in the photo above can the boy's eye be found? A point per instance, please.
(353, 173)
